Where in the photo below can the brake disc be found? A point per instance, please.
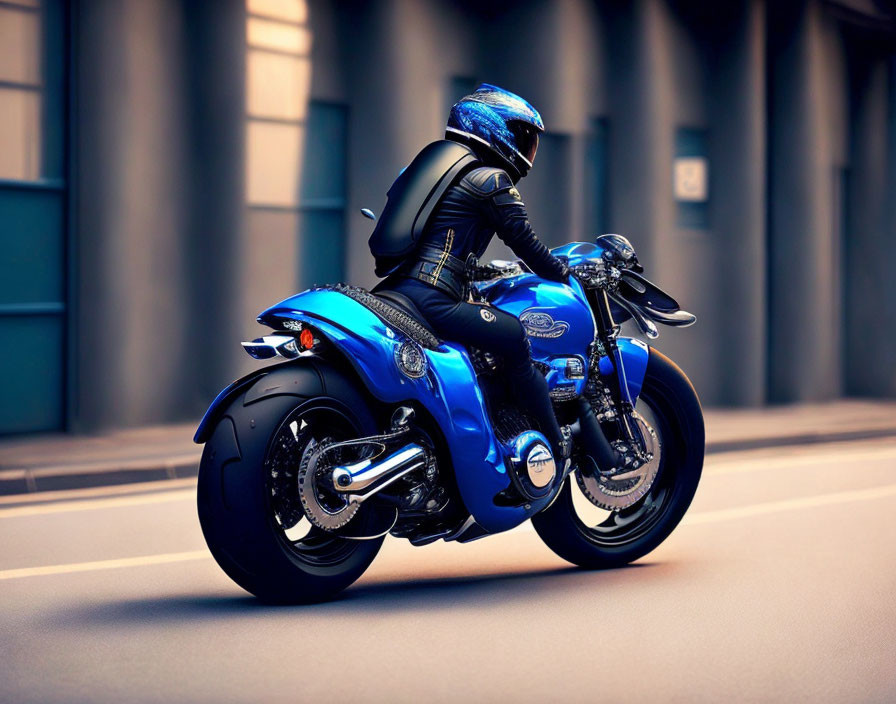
(324, 507)
(620, 490)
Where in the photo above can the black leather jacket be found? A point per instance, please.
(484, 202)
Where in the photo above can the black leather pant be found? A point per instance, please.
(495, 331)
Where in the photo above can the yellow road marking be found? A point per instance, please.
(752, 464)
(150, 487)
(90, 504)
(702, 517)
(105, 564)
(55, 501)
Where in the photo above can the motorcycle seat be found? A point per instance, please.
(402, 302)
(393, 309)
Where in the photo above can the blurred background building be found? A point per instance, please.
(169, 168)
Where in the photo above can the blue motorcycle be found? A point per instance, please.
(371, 425)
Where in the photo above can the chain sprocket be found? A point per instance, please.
(324, 507)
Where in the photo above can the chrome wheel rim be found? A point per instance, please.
(300, 432)
(620, 491)
(619, 527)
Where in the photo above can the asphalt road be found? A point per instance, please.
(779, 586)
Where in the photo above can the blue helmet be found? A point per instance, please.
(501, 121)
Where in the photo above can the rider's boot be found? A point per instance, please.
(530, 391)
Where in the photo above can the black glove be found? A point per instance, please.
(565, 275)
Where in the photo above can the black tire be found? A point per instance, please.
(632, 533)
(234, 490)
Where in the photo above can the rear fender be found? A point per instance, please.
(298, 378)
(448, 390)
(222, 401)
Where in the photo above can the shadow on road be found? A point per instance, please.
(429, 594)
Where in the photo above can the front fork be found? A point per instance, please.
(607, 332)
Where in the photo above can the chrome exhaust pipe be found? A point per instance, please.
(365, 478)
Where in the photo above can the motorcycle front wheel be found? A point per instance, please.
(248, 501)
(595, 538)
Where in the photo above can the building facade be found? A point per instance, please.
(170, 168)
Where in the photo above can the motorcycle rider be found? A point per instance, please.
(467, 207)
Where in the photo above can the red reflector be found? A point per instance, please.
(307, 339)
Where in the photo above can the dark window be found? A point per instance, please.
(323, 198)
(32, 216)
(278, 81)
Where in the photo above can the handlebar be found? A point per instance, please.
(596, 275)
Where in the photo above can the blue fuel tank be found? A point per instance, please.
(557, 319)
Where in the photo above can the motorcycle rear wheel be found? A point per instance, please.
(620, 537)
(245, 528)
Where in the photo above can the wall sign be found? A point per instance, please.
(690, 177)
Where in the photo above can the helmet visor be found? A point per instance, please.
(533, 148)
(526, 137)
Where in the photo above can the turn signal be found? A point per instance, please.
(306, 339)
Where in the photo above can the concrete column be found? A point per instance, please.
(804, 334)
(215, 236)
(552, 58)
(738, 204)
(870, 249)
(657, 85)
(159, 233)
(131, 188)
(640, 124)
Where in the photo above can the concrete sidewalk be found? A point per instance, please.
(59, 461)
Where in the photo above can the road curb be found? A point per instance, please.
(33, 481)
(718, 447)
(40, 479)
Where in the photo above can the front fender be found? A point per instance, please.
(631, 357)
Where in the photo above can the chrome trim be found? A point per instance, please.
(575, 368)
(365, 474)
(285, 346)
(612, 492)
(540, 465)
(531, 457)
(402, 417)
(411, 360)
(678, 319)
(645, 324)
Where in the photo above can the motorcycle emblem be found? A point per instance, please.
(411, 360)
(540, 324)
(540, 466)
(487, 315)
